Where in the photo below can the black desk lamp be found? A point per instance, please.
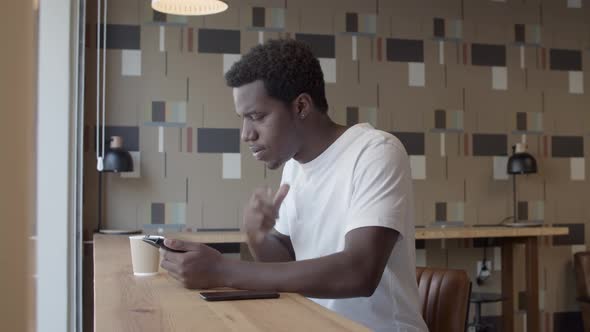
(520, 162)
(116, 160)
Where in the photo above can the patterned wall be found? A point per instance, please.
(459, 82)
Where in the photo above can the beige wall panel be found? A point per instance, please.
(252, 169)
(164, 90)
(558, 102)
(355, 6)
(229, 19)
(479, 77)
(263, 3)
(556, 170)
(434, 72)
(492, 29)
(516, 76)
(122, 12)
(172, 139)
(433, 144)
(384, 24)
(548, 80)
(408, 26)
(176, 39)
(569, 200)
(152, 167)
(197, 66)
(318, 20)
(153, 66)
(184, 165)
(123, 102)
(529, 188)
(220, 112)
(446, 9)
(490, 109)
(436, 167)
(470, 168)
(150, 37)
(221, 206)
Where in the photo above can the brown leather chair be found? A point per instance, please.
(444, 297)
(582, 267)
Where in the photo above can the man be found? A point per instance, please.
(344, 235)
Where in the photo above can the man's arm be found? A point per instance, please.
(353, 272)
(275, 247)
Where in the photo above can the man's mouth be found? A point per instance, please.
(257, 151)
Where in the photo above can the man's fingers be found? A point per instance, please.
(183, 245)
(170, 267)
(280, 196)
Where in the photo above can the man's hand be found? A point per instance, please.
(261, 212)
(198, 268)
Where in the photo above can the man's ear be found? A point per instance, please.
(303, 105)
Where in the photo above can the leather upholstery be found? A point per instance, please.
(582, 267)
(444, 297)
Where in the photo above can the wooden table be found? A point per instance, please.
(510, 236)
(123, 302)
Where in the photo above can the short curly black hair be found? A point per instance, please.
(287, 68)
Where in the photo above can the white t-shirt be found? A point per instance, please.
(362, 179)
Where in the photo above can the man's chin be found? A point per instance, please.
(273, 164)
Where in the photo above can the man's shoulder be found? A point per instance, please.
(379, 141)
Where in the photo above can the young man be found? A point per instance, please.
(344, 233)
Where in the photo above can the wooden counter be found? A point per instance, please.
(125, 303)
(509, 237)
(428, 233)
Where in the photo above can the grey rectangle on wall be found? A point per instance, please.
(574, 237)
(440, 119)
(565, 59)
(413, 142)
(439, 27)
(322, 46)
(405, 50)
(440, 211)
(158, 213)
(158, 111)
(120, 36)
(352, 22)
(567, 146)
(352, 116)
(521, 123)
(490, 145)
(129, 134)
(488, 55)
(219, 41)
(258, 17)
(519, 33)
(218, 140)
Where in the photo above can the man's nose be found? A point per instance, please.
(248, 132)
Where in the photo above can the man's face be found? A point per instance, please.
(268, 126)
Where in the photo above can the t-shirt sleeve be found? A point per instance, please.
(382, 189)
(282, 222)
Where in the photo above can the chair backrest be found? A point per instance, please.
(582, 267)
(444, 297)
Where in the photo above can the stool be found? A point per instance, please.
(478, 299)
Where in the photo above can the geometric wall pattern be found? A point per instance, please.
(459, 82)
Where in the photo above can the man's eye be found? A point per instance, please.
(256, 116)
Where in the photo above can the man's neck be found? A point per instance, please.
(318, 136)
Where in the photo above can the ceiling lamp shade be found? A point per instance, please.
(189, 7)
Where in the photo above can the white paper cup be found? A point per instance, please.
(145, 258)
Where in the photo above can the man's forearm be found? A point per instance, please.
(271, 249)
(333, 276)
